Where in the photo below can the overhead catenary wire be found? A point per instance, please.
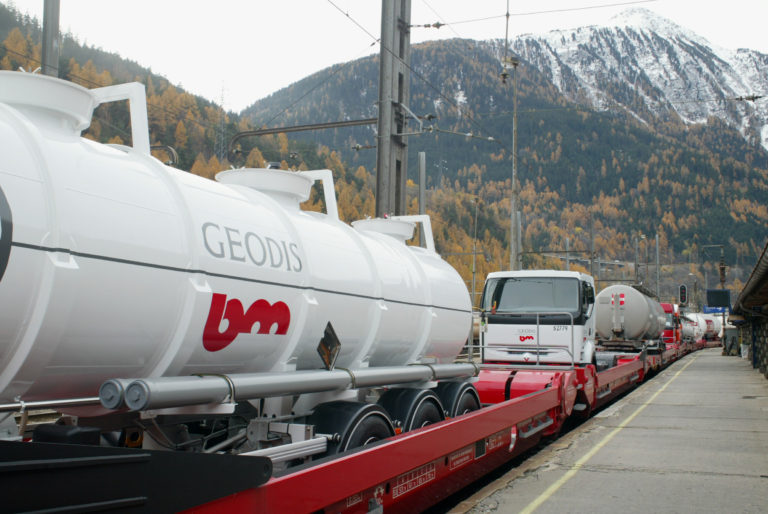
(419, 75)
(442, 23)
(327, 79)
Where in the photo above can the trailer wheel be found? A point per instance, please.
(428, 411)
(354, 423)
(412, 408)
(458, 397)
(605, 361)
(368, 430)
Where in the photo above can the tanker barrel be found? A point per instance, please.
(112, 392)
(624, 312)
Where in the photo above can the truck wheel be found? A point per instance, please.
(355, 423)
(370, 429)
(458, 398)
(605, 361)
(427, 412)
(412, 408)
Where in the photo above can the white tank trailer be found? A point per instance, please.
(625, 316)
(165, 289)
(714, 326)
(704, 326)
(694, 326)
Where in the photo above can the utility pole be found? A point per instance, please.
(394, 95)
(220, 146)
(636, 275)
(515, 229)
(592, 250)
(474, 255)
(51, 38)
(514, 236)
(722, 282)
(658, 290)
(423, 192)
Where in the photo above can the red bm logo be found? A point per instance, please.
(526, 338)
(241, 321)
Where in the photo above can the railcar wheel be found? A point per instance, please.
(458, 397)
(355, 423)
(412, 408)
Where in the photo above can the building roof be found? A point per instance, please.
(755, 293)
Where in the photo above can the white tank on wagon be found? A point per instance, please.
(119, 266)
(694, 326)
(625, 314)
(714, 326)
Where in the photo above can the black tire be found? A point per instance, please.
(412, 408)
(371, 428)
(458, 397)
(428, 411)
(604, 361)
(468, 402)
(354, 424)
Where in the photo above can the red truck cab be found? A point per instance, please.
(672, 334)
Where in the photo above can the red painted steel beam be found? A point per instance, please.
(619, 379)
(333, 481)
(619, 372)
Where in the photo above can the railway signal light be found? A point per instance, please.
(683, 294)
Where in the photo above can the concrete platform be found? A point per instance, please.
(692, 439)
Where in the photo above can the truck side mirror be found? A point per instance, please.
(588, 299)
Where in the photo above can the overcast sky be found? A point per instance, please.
(250, 49)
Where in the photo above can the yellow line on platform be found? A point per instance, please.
(535, 504)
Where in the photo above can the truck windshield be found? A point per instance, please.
(531, 294)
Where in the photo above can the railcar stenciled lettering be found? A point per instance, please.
(241, 321)
(230, 243)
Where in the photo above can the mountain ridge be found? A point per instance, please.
(672, 70)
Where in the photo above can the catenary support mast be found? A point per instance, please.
(394, 94)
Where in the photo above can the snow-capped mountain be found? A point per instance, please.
(653, 68)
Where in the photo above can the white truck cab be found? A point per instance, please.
(538, 317)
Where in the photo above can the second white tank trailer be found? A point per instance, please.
(189, 299)
(627, 318)
(699, 326)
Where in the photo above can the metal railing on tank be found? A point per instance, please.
(475, 351)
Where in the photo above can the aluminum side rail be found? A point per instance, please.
(164, 392)
(537, 348)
